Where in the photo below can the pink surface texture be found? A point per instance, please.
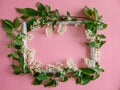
(57, 48)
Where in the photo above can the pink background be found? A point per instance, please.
(57, 48)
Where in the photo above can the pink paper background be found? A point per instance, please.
(57, 48)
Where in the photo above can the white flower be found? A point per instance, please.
(90, 35)
(48, 30)
(90, 63)
(30, 60)
(29, 36)
(19, 28)
(30, 52)
(59, 67)
(32, 27)
(62, 28)
(96, 55)
(36, 66)
(50, 68)
(71, 64)
(38, 21)
(24, 49)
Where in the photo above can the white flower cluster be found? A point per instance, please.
(71, 64)
(96, 55)
(90, 35)
(29, 36)
(54, 68)
(48, 30)
(36, 66)
(35, 25)
(17, 30)
(30, 56)
(62, 28)
(90, 63)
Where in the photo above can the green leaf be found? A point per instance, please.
(49, 74)
(18, 42)
(87, 71)
(16, 69)
(31, 12)
(77, 73)
(57, 13)
(68, 16)
(51, 82)
(41, 10)
(78, 80)
(21, 62)
(41, 76)
(89, 24)
(64, 78)
(27, 11)
(57, 74)
(21, 10)
(16, 22)
(85, 79)
(96, 76)
(43, 21)
(53, 23)
(100, 44)
(24, 17)
(95, 13)
(91, 44)
(48, 9)
(102, 26)
(101, 36)
(29, 23)
(87, 11)
(8, 26)
(26, 70)
(37, 82)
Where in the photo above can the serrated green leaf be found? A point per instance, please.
(16, 69)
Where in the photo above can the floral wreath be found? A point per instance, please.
(23, 57)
